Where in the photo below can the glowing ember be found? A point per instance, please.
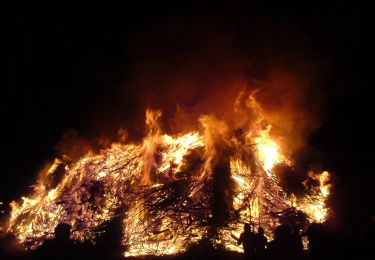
(164, 188)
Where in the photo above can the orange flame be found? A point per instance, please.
(93, 187)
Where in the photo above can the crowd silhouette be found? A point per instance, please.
(287, 244)
(322, 244)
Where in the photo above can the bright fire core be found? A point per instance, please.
(163, 188)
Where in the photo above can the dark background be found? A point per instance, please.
(65, 62)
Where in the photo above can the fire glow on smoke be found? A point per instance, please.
(165, 185)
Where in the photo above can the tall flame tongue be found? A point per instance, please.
(166, 187)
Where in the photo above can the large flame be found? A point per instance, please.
(163, 189)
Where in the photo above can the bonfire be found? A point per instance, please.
(174, 191)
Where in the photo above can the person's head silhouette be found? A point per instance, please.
(247, 227)
(283, 232)
(260, 231)
(62, 231)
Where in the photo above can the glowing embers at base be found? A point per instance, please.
(160, 225)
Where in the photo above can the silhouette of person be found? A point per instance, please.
(248, 240)
(283, 246)
(60, 247)
(297, 244)
(261, 243)
(318, 241)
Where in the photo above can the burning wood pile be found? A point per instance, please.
(173, 191)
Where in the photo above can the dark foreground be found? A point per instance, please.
(286, 245)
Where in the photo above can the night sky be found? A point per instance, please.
(66, 65)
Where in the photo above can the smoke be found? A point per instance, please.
(73, 145)
(194, 67)
(218, 75)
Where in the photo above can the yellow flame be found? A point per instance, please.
(268, 150)
(93, 187)
(315, 205)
